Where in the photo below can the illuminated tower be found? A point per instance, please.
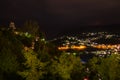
(12, 26)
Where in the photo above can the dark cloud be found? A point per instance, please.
(57, 14)
(62, 10)
(84, 9)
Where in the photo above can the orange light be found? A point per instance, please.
(82, 47)
(63, 48)
(72, 47)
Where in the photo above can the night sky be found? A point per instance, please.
(56, 16)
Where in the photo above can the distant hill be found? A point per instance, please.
(74, 30)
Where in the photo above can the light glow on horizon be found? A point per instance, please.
(82, 47)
